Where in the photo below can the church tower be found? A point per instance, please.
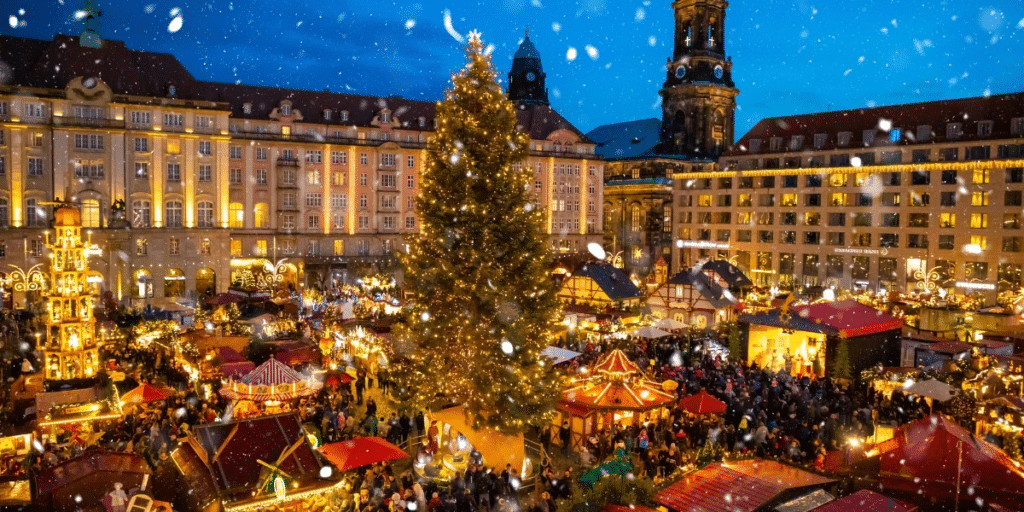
(526, 79)
(90, 35)
(698, 98)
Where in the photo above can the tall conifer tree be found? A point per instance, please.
(485, 305)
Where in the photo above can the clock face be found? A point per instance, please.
(680, 72)
(719, 71)
(531, 76)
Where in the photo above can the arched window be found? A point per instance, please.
(90, 213)
(236, 215)
(634, 218)
(260, 215)
(140, 214)
(204, 219)
(35, 216)
(172, 219)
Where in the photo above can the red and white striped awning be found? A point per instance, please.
(271, 373)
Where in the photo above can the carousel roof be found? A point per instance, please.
(616, 362)
(271, 373)
(640, 395)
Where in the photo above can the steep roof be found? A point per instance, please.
(630, 139)
(612, 280)
(848, 317)
(732, 275)
(702, 283)
(999, 109)
(541, 120)
(742, 486)
(241, 444)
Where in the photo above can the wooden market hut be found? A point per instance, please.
(235, 465)
(89, 477)
(807, 338)
(751, 485)
(600, 286)
(695, 297)
(617, 391)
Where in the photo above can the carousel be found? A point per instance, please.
(271, 384)
(615, 391)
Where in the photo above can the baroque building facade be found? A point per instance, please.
(923, 197)
(191, 187)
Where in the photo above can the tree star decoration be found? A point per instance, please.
(474, 36)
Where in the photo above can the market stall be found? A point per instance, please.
(613, 391)
(1002, 420)
(271, 383)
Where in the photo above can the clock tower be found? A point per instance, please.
(698, 98)
(526, 79)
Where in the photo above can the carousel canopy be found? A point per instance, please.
(616, 363)
(272, 380)
(936, 455)
(847, 317)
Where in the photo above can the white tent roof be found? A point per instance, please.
(670, 324)
(559, 354)
(931, 388)
(649, 332)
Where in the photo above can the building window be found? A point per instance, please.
(235, 176)
(812, 237)
(314, 156)
(363, 202)
(288, 221)
(313, 222)
(362, 180)
(141, 118)
(1010, 198)
(261, 176)
(5, 217)
(389, 181)
(889, 240)
(89, 169)
(1011, 221)
(173, 246)
(174, 172)
(954, 130)
(36, 248)
(204, 148)
(314, 200)
(948, 177)
(946, 242)
(35, 166)
(236, 215)
(364, 222)
(410, 222)
(34, 110)
(868, 137)
(205, 173)
(205, 214)
(388, 160)
(363, 158)
(810, 265)
(920, 178)
(979, 220)
(261, 153)
(172, 218)
(141, 247)
(410, 162)
(174, 120)
(984, 128)
(339, 157)
(1012, 243)
(141, 145)
(141, 214)
(388, 222)
(260, 249)
(917, 241)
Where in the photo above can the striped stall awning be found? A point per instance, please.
(271, 373)
(231, 394)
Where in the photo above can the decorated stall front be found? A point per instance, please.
(1002, 421)
(806, 340)
(452, 444)
(271, 383)
(614, 391)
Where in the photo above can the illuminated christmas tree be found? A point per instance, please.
(485, 305)
(70, 350)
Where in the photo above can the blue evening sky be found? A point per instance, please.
(604, 58)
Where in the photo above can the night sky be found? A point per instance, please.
(604, 58)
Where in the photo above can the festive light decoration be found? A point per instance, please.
(70, 350)
(478, 267)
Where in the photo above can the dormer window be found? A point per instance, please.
(385, 116)
(171, 90)
(286, 109)
(422, 122)
(754, 145)
(954, 130)
(344, 115)
(819, 140)
(775, 144)
(843, 139)
(247, 108)
(327, 114)
(984, 128)
(796, 142)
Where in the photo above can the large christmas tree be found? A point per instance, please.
(485, 305)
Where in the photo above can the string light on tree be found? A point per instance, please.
(479, 255)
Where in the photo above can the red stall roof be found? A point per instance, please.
(741, 486)
(929, 455)
(866, 501)
(849, 316)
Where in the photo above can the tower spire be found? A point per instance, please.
(90, 35)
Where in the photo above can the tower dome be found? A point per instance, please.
(526, 79)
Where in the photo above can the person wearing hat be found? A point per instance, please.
(118, 498)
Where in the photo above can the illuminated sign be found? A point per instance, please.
(975, 286)
(845, 250)
(700, 244)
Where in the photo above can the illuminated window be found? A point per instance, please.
(140, 214)
(173, 246)
(236, 247)
(172, 217)
(947, 220)
(704, 200)
(635, 217)
(260, 215)
(979, 198)
(261, 247)
(979, 220)
(838, 180)
(980, 240)
(980, 176)
(141, 247)
(339, 247)
(90, 213)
